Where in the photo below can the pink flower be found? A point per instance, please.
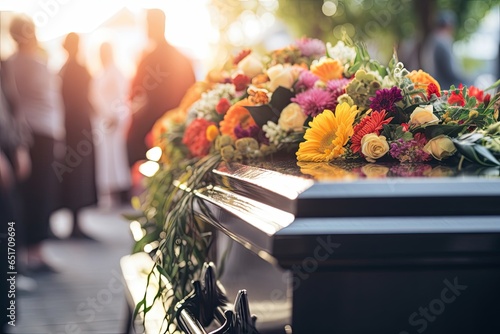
(305, 81)
(315, 101)
(311, 47)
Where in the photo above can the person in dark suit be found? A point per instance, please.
(79, 185)
(161, 80)
(438, 57)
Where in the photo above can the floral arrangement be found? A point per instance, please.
(336, 102)
(325, 102)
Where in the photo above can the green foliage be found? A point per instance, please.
(182, 242)
(362, 87)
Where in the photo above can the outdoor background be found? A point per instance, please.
(210, 30)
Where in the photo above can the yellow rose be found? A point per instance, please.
(374, 147)
(440, 147)
(423, 116)
(280, 75)
(292, 118)
(251, 66)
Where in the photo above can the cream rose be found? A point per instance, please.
(280, 75)
(423, 116)
(250, 66)
(292, 118)
(440, 147)
(374, 147)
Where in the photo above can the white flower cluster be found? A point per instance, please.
(342, 52)
(400, 72)
(205, 106)
(274, 133)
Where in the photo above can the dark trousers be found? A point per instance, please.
(41, 191)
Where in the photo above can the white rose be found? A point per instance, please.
(423, 116)
(374, 147)
(250, 66)
(440, 147)
(280, 75)
(292, 118)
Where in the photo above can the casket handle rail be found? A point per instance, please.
(207, 302)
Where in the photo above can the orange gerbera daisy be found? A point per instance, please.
(237, 115)
(328, 134)
(373, 123)
(328, 69)
(422, 79)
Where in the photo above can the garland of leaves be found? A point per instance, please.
(182, 240)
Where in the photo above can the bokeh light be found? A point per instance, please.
(329, 8)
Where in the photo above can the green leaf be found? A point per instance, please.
(443, 129)
(494, 86)
(147, 239)
(407, 136)
(475, 153)
(133, 216)
(163, 272)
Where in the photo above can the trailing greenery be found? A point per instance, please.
(180, 241)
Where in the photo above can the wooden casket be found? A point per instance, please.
(357, 247)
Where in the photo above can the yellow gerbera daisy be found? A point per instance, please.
(328, 69)
(327, 135)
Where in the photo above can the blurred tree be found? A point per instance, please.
(383, 23)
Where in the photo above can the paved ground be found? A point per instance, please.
(86, 294)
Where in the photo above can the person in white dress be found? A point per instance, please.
(108, 94)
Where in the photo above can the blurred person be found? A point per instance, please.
(15, 167)
(37, 101)
(79, 188)
(438, 58)
(108, 95)
(162, 78)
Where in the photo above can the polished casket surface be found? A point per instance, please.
(353, 247)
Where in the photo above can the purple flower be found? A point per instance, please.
(305, 81)
(385, 99)
(252, 132)
(411, 150)
(311, 47)
(314, 101)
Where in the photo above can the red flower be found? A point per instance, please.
(477, 93)
(405, 127)
(369, 124)
(457, 98)
(432, 89)
(487, 100)
(241, 82)
(223, 106)
(195, 137)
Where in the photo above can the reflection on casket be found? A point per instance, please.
(357, 248)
